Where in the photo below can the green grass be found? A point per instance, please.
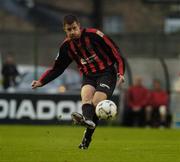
(110, 144)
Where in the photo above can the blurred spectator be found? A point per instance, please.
(9, 73)
(136, 101)
(156, 112)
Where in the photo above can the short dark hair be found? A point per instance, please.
(69, 19)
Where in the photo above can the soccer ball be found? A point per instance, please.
(106, 109)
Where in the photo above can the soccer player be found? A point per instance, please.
(95, 55)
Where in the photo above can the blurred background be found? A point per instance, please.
(147, 32)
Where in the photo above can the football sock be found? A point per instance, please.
(89, 132)
(88, 111)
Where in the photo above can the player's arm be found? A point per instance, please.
(61, 63)
(108, 43)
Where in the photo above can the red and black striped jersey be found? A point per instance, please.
(93, 52)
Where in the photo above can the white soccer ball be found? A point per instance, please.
(106, 109)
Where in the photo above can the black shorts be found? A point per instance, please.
(104, 81)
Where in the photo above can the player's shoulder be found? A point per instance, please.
(91, 30)
(94, 31)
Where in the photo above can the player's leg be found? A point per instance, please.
(98, 96)
(87, 93)
(88, 110)
(87, 137)
(105, 86)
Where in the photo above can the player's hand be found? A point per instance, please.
(121, 80)
(35, 84)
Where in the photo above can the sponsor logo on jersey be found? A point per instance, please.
(88, 60)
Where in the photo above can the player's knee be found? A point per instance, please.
(95, 101)
(98, 97)
(87, 101)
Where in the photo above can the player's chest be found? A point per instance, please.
(82, 48)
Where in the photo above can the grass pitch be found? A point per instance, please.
(110, 144)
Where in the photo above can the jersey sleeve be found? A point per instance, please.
(61, 62)
(105, 40)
